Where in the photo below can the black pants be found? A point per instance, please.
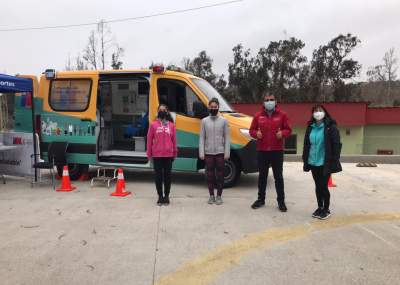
(162, 169)
(265, 160)
(321, 187)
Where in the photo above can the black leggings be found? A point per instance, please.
(162, 169)
(215, 165)
(321, 187)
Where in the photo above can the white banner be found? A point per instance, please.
(15, 153)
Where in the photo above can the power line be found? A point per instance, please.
(122, 19)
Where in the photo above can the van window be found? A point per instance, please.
(177, 95)
(70, 95)
(207, 89)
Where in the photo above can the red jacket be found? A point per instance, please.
(269, 126)
(161, 140)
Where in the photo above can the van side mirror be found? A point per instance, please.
(200, 111)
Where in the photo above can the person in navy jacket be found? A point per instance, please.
(321, 154)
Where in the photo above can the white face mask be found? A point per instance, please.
(319, 115)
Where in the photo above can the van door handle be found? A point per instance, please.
(86, 119)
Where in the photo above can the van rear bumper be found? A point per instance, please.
(248, 157)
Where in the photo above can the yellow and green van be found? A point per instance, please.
(104, 116)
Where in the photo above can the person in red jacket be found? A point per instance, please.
(161, 147)
(270, 127)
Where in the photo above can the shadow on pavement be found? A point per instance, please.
(180, 178)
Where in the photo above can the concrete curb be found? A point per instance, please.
(383, 159)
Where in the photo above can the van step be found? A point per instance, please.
(117, 152)
(123, 159)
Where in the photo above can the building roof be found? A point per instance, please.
(383, 116)
(346, 114)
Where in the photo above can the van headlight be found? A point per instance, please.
(246, 133)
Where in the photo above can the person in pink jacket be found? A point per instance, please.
(161, 147)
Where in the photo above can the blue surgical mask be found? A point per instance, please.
(269, 105)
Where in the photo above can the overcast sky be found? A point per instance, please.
(168, 39)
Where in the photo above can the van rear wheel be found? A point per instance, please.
(232, 172)
(75, 170)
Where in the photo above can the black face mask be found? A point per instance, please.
(162, 115)
(213, 112)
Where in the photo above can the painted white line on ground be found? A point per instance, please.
(378, 237)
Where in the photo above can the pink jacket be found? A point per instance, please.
(161, 140)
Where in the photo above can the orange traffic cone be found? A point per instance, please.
(65, 182)
(120, 186)
(330, 182)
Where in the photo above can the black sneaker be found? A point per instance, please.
(316, 213)
(166, 200)
(160, 200)
(325, 214)
(282, 207)
(258, 204)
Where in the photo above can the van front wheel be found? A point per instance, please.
(232, 172)
(75, 170)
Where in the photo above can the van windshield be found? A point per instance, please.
(210, 92)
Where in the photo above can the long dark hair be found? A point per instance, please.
(327, 119)
(169, 117)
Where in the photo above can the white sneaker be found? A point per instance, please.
(211, 200)
(219, 201)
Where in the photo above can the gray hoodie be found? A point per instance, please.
(214, 136)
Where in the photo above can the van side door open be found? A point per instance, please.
(123, 104)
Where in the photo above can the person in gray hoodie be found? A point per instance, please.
(214, 148)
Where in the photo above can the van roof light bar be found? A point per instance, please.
(50, 73)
